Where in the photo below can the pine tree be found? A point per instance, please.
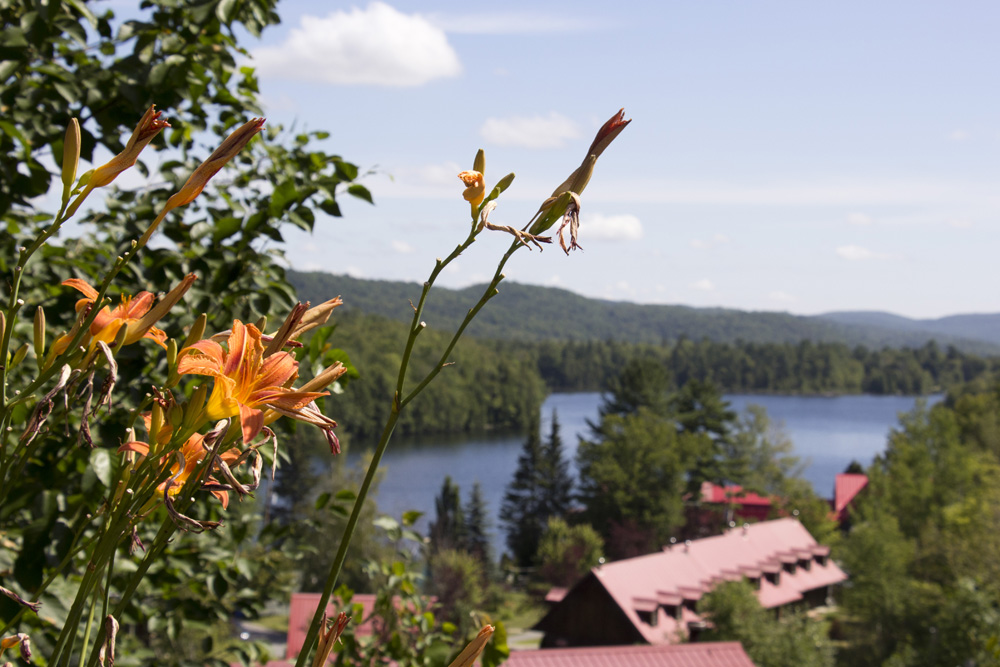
(521, 509)
(556, 482)
(448, 529)
(477, 535)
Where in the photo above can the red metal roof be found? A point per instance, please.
(709, 654)
(713, 493)
(302, 608)
(687, 569)
(845, 487)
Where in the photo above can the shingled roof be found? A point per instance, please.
(656, 593)
(709, 654)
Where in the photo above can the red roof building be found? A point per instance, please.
(709, 654)
(653, 599)
(302, 608)
(745, 504)
(845, 487)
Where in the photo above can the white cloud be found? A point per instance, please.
(610, 227)
(378, 46)
(858, 253)
(783, 297)
(704, 284)
(958, 135)
(859, 219)
(716, 240)
(550, 131)
(401, 247)
(959, 223)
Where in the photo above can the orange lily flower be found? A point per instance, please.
(136, 313)
(193, 452)
(247, 383)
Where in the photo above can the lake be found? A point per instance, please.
(828, 433)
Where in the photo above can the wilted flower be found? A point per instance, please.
(148, 127)
(247, 383)
(555, 206)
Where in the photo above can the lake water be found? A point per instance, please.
(828, 432)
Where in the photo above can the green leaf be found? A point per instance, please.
(360, 191)
(225, 227)
(100, 462)
(322, 500)
(346, 495)
(411, 517)
(225, 11)
(330, 207)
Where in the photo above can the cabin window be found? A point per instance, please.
(692, 605)
(673, 610)
(755, 582)
(821, 560)
(789, 568)
(650, 618)
(773, 578)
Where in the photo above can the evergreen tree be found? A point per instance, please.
(448, 529)
(556, 482)
(698, 408)
(521, 511)
(477, 535)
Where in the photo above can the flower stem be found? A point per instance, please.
(398, 402)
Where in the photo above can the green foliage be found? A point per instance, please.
(793, 641)
(632, 480)
(402, 626)
(73, 58)
(924, 590)
(539, 490)
(456, 580)
(566, 553)
(477, 527)
(448, 530)
(530, 313)
(488, 386)
(313, 495)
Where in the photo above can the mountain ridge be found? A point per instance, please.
(533, 313)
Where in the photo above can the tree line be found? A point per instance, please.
(501, 384)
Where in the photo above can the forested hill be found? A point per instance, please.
(979, 327)
(532, 313)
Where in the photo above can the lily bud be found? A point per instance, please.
(471, 653)
(479, 164)
(19, 356)
(39, 336)
(176, 413)
(316, 316)
(173, 377)
(138, 328)
(71, 154)
(149, 126)
(197, 331)
(196, 182)
(156, 422)
(194, 408)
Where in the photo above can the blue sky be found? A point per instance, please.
(803, 157)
